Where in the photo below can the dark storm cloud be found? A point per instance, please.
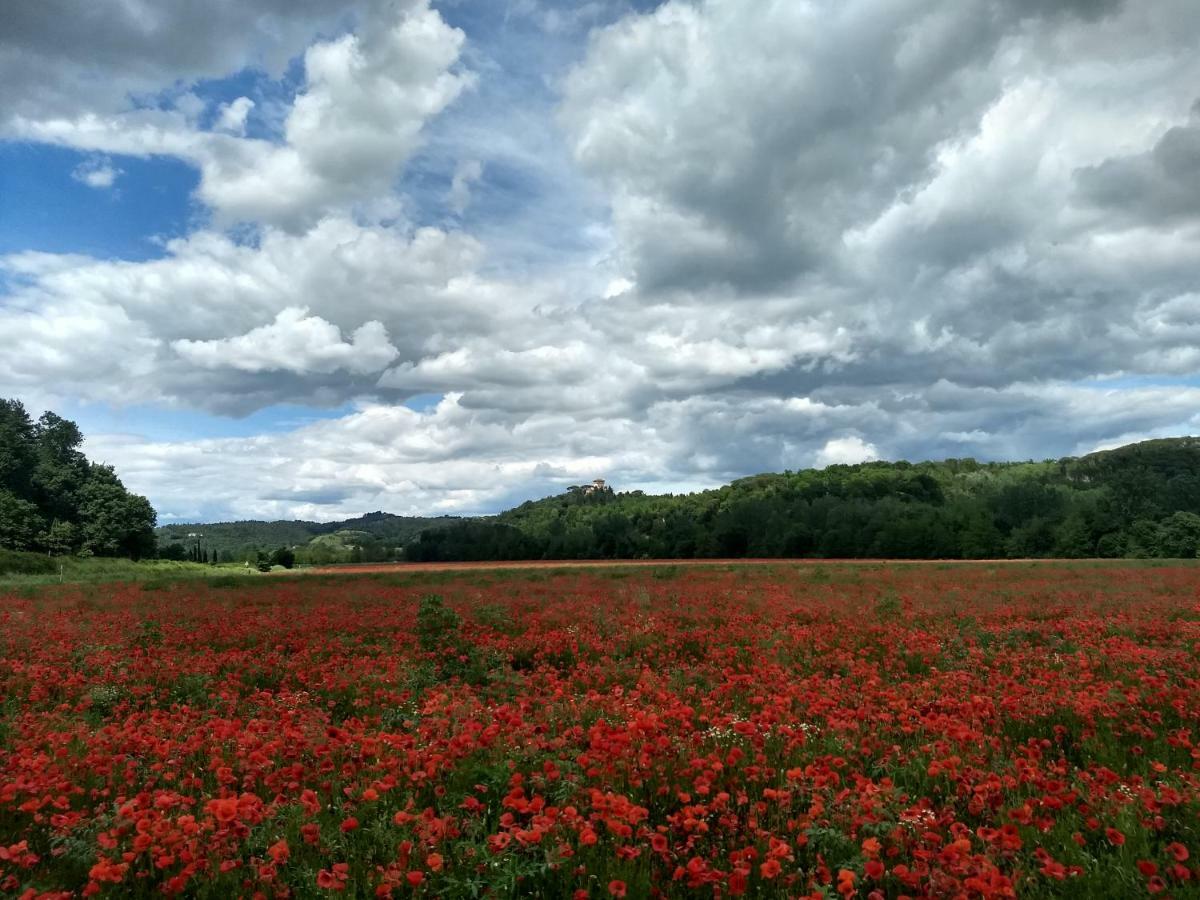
(1161, 185)
(750, 142)
(61, 57)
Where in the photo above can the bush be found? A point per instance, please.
(14, 562)
(437, 624)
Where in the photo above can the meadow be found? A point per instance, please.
(871, 731)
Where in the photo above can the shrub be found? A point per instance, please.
(437, 624)
(14, 562)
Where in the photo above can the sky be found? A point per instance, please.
(308, 259)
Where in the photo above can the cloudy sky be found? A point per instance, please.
(305, 258)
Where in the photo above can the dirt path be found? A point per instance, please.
(354, 568)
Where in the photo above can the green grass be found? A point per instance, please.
(33, 569)
(75, 570)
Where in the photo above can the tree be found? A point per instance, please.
(1073, 538)
(978, 537)
(60, 538)
(1179, 536)
(114, 522)
(175, 551)
(52, 499)
(1113, 503)
(284, 556)
(20, 523)
(60, 470)
(16, 448)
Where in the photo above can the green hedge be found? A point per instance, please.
(13, 562)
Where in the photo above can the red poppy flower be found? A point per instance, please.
(279, 852)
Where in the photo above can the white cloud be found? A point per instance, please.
(465, 175)
(845, 451)
(98, 173)
(456, 458)
(197, 315)
(365, 101)
(359, 117)
(839, 231)
(617, 287)
(61, 58)
(231, 117)
(294, 342)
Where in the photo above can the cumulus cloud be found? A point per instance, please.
(457, 459)
(835, 231)
(1159, 185)
(61, 58)
(919, 173)
(294, 342)
(98, 173)
(348, 132)
(232, 116)
(845, 451)
(232, 327)
(359, 118)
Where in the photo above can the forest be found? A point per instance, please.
(1141, 500)
(374, 537)
(53, 500)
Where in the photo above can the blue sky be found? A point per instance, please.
(312, 259)
(46, 209)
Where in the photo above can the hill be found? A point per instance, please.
(1141, 500)
(377, 536)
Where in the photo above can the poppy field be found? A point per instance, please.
(1029, 730)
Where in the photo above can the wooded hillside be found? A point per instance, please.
(1142, 500)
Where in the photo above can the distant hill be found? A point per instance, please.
(377, 536)
(1141, 500)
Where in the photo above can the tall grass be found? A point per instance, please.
(27, 569)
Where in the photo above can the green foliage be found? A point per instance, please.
(14, 563)
(1142, 501)
(439, 635)
(378, 537)
(52, 499)
(473, 540)
(20, 522)
(888, 606)
(174, 551)
(19, 569)
(437, 624)
(1178, 536)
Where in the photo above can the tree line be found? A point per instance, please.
(53, 500)
(1142, 500)
(374, 537)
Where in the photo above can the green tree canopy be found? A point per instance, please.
(53, 499)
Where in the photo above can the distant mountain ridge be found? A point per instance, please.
(376, 534)
(1141, 499)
